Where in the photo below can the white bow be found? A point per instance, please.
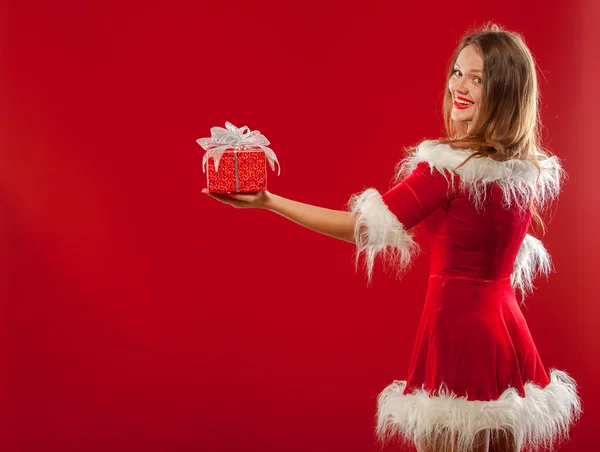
(231, 137)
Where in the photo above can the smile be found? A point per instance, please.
(461, 103)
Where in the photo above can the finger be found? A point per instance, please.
(241, 197)
(215, 195)
(221, 197)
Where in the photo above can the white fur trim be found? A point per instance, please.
(532, 260)
(540, 419)
(518, 179)
(378, 232)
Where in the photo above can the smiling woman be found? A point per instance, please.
(476, 381)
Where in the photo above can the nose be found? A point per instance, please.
(460, 86)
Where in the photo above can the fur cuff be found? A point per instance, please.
(378, 232)
(519, 180)
(532, 260)
(538, 420)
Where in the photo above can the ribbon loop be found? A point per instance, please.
(232, 137)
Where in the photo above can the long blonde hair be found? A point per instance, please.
(507, 123)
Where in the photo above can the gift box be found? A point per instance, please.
(236, 160)
(240, 171)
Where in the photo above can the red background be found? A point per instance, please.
(139, 314)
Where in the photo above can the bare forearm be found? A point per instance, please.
(334, 223)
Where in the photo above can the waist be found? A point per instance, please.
(469, 278)
(460, 294)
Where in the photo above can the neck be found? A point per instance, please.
(462, 129)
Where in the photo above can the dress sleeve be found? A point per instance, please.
(383, 222)
(532, 260)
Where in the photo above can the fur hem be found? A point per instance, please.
(541, 419)
(378, 232)
(519, 180)
(532, 261)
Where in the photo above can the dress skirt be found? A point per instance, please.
(474, 367)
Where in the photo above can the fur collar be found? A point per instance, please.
(519, 179)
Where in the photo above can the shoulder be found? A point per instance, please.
(437, 155)
(518, 179)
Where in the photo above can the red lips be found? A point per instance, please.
(461, 106)
(463, 98)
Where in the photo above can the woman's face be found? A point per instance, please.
(465, 85)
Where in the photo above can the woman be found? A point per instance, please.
(475, 380)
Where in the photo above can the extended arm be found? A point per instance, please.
(377, 224)
(334, 223)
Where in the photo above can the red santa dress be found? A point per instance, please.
(474, 364)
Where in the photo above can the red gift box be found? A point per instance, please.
(236, 159)
(240, 171)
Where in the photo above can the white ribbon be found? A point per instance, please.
(233, 138)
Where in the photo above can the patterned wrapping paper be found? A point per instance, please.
(236, 159)
(251, 172)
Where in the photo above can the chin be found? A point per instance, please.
(461, 118)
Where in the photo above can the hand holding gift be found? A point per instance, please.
(260, 200)
(236, 160)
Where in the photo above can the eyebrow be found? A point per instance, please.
(472, 70)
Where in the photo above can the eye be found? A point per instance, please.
(456, 72)
(478, 80)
